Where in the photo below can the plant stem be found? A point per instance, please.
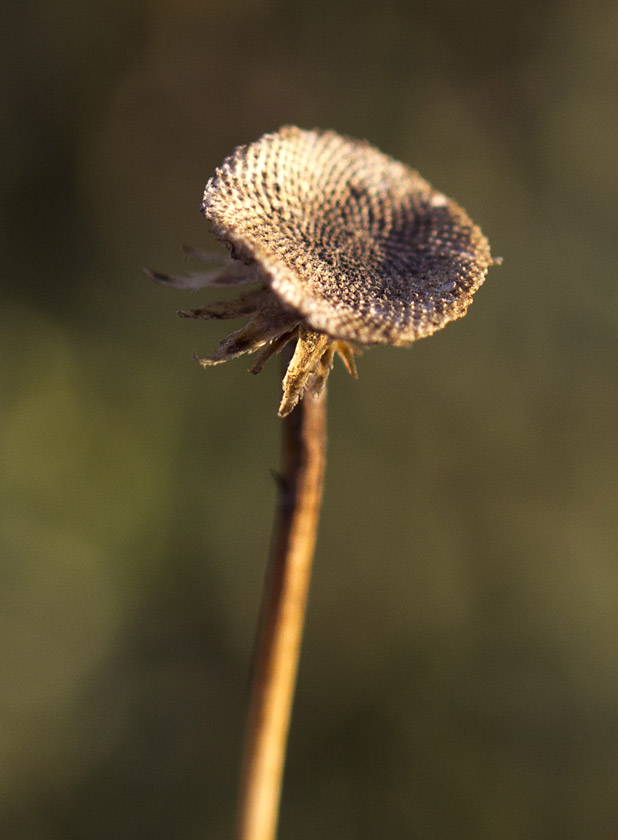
(282, 618)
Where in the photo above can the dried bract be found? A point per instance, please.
(347, 247)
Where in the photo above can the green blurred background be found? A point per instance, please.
(460, 666)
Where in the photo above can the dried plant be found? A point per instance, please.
(346, 248)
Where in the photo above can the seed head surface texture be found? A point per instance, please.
(358, 243)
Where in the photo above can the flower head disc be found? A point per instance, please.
(348, 246)
(364, 248)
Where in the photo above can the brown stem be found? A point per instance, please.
(281, 622)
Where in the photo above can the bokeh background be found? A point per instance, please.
(460, 665)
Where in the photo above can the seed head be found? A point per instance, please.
(347, 247)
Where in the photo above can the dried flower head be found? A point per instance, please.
(346, 247)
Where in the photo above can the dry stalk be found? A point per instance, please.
(282, 618)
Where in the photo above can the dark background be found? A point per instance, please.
(460, 665)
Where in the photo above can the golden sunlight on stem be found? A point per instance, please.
(282, 618)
